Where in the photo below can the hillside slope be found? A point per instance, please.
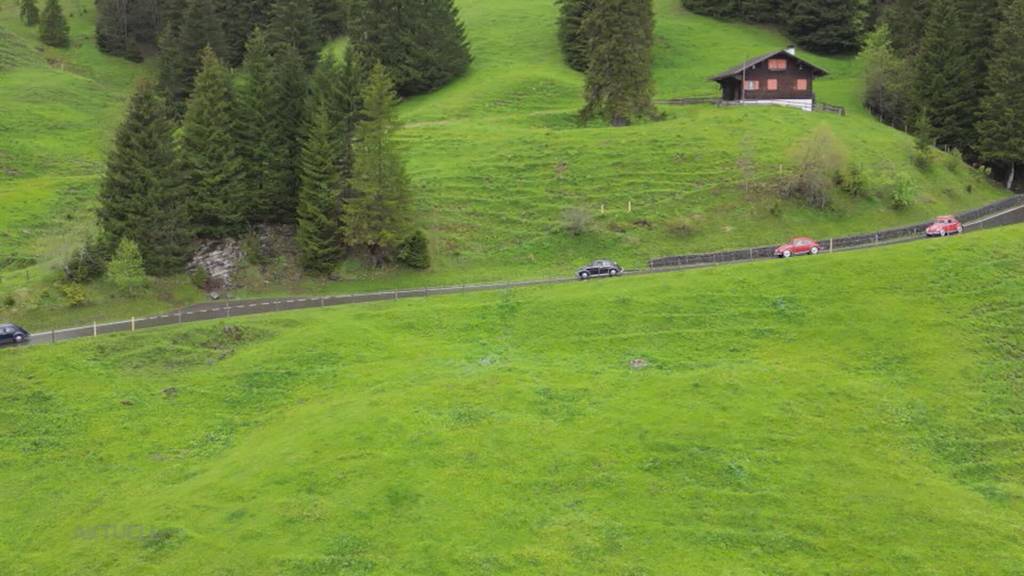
(836, 415)
(497, 160)
(60, 110)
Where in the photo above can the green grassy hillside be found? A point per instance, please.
(850, 414)
(497, 160)
(60, 109)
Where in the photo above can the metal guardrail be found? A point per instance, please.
(1002, 213)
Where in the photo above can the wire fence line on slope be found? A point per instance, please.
(1002, 213)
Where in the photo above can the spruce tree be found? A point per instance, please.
(126, 270)
(53, 27)
(421, 42)
(210, 161)
(293, 23)
(827, 26)
(319, 209)
(254, 106)
(283, 132)
(181, 45)
(28, 12)
(376, 216)
(1001, 127)
(944, 84)
(570, 37)
(114, 29)
(331, 18)
(141, 197)
(620, 37)
(906, 20)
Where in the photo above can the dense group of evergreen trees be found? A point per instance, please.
(422, 43)
(53, 26)
(267, 144)
(824, 26)
(611, 41)
(950, 70)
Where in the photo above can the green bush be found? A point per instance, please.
(86, 263)
(415, 251)
(74, 293)
(902, 193)
(854, 182)
(576, 221)
(200, 278)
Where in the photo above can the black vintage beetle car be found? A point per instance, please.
(12, 334)
(599, 268)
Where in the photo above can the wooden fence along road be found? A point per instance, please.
(1002, 213)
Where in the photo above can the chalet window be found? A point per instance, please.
(753, 85)
(801, 84)
(777, 64)
(773, 85)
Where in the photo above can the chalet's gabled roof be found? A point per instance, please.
(754, 61)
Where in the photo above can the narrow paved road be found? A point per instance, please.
(229, 309)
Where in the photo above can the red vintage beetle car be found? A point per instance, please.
(796, 247)
(944, 226)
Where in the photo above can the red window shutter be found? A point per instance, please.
(801, 84)
(777, 64)
(773, 85)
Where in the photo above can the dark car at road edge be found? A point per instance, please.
(599, 268)
(12, 334)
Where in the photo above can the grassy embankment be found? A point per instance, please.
(850, 414)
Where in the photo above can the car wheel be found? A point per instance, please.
(18, 339)
(787, 254)
(584, 275)
(814, 251)
(959, 229)
(613, 272)
(943, 233)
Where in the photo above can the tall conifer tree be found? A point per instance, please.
(319, 209)
(620, 37)
(254, 108)
(1002, 112)
(210, 160)
(28, 12)
(283, 133)
(181, 45)
(376, 216)
(944, 84)
(570, 27)
(421, 42)
(141, 197)
(293, 23)
(827, 26)
(53, 27)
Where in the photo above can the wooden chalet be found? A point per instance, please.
(779, 78)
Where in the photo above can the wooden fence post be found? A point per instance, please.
(133, 323)
(94, 331)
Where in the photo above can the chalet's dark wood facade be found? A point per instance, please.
(778, 76)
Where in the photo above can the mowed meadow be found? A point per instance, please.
(849, 414)
(497, 158)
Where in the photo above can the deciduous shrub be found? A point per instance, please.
(902, 193)
(815, 163)
(577, 221)
(74, 293)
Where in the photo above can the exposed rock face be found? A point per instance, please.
(220, 259)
